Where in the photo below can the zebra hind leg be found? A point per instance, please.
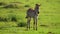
(28, 23)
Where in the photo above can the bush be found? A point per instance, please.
(1, 3)
(14, 19)
(26, 6)
(11, 6)
(22, 24)
(0, 19)
(3, 19)
(44, 25)
(9, 18)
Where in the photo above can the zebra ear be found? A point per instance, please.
(40, 5)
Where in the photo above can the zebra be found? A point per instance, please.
(32, 14)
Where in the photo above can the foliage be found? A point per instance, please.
(2, 3)
(22, 24)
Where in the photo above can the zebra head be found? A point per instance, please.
(37, 8)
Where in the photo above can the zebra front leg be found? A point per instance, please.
(35, 23)
(28, 23)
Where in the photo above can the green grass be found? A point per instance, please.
(49, 15)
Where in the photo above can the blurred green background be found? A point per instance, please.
(13, 13)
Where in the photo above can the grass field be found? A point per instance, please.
(49, 16)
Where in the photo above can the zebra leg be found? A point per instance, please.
(35, 23)
(28, 23)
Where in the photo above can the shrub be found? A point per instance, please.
(1, 3)
(21, 24)
(0, 19)
(14, 19)
(3, 19)
(26, 6)
(11, 6)
(44, 25)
